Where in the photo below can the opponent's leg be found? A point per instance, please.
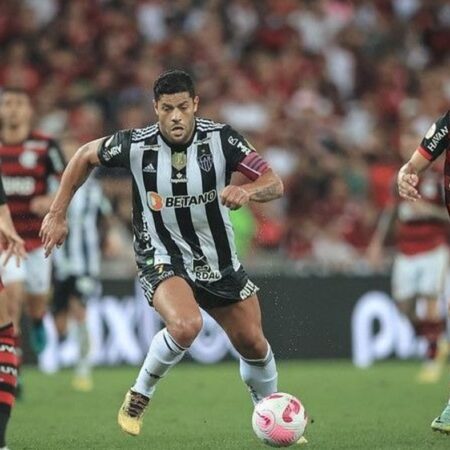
(242, 323)
(174, 301)
(8, 369)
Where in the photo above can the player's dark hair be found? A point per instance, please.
(172, 82)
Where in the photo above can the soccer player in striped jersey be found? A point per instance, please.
(181, 168)
(77, 268)
(30, 166)
(12, 245)
(435, 142)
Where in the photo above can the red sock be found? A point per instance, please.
(8, 368)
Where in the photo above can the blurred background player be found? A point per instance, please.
(12, 245)
(30, 165)
(421, 260)
(77, 267)
(434, 143)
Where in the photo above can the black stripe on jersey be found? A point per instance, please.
(150, 184)
(183, 215)
(215, 220)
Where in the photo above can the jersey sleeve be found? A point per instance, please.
(240, 154)
(437, 138)
(56, 160)
(114, 151)
(2, 193)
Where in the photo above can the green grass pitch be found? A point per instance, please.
(207, 407)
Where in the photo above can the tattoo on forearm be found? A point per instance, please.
(267, 193)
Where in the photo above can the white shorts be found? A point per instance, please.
(419, 275)
(34, 272)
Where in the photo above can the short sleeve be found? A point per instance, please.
(437, 138)
(114, 151)
(235, 147)
(56, 160)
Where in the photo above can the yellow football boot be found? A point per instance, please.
(131, 412)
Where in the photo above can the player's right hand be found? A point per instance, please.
(53, 231)
(407, 185)
(12, 244)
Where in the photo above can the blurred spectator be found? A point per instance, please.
(321, 87)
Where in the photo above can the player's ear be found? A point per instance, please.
(196, 101)
(155, 106)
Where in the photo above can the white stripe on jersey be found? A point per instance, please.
(164, 185)
(136, 154)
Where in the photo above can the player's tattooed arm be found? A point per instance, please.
(265, 188)
(54, 226)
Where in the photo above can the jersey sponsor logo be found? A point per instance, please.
(111, 152)
(204, 273)
(438, 136)
(149, 168)
(179, 160)
(248, 290)
(245, 147)
(156, 202)
(430, 131)
(179, 178)
(19, 185)
(205, 162)
(28, 159)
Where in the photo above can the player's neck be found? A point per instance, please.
(14, 135)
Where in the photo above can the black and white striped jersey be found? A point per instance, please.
(80, 255)
(177, 213)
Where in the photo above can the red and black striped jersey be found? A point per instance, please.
(27, 170)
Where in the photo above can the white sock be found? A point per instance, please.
(164, 352)
(260, 375)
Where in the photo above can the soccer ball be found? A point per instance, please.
(279, 420)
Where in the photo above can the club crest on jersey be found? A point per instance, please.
(156, 202)
(179, 160)
(205, 162)
(28, 159)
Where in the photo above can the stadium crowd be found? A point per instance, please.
(320, 87)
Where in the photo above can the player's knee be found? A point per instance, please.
(250, 343)
(185, 329)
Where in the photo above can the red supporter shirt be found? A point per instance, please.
(27, 169)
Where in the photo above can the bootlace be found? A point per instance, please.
(137, 404)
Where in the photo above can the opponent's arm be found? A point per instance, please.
(54, 227)
(408, 176)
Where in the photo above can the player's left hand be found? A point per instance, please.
(234, 197)
(12, 244)
(53, 231)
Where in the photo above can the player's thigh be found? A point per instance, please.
(175, 302)
(167, 290)
(433, 270)
(404, 281)
(38, 274)
(242, 323)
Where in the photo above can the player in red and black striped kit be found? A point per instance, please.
(12, 245)
(29, 164)
(435, 142)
